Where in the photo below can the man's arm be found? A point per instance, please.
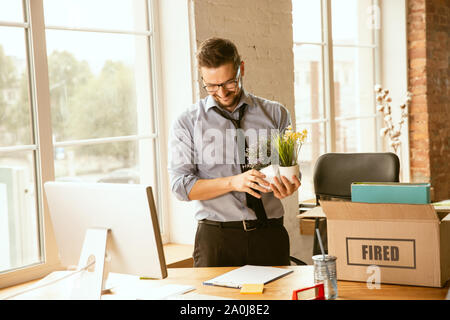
(249, 181)
(184, 180)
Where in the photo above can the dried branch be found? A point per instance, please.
(391, 130)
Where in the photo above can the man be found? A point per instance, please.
(240, 219)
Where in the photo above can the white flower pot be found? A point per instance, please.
(288, 172)
(270, 172)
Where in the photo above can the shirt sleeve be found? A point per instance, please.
(285, 118)
(182, 169)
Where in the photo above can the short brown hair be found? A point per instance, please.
(215, 52)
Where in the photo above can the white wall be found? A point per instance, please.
(262, 31)
(176, 95)
(394, 70)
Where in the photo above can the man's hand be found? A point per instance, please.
(286, 188)
(250, 181)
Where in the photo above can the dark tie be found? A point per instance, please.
(252, 202)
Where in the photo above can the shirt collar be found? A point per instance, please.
(245, 99)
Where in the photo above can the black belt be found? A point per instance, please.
(247, 225)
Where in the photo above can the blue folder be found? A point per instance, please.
(391, 192)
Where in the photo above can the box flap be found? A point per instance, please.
(443, 214)
(442, 208)
(316, 212)
(339, 210)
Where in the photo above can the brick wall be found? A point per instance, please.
(262, 31)
(429, 81)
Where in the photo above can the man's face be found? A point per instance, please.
(225, 74)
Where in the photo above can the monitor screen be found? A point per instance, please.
(128, 210)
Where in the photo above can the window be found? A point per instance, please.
(99, 75)
(92, 83)
(19, 177)
(336, 57)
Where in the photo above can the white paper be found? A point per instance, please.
(197, 296)
(147, 290)
(248, 274)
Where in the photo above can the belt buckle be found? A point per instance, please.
(245, 226)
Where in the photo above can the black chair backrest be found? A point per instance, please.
(335, 172)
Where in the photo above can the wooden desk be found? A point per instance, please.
(302, 276)
(280, 289)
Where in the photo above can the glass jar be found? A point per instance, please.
(327, 277)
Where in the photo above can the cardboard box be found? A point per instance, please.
(307, 226)
(410, 243)
(391, 192)
(308, 220)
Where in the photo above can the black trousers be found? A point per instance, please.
(222, 247)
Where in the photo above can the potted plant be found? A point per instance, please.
(277, 156)
(259, 158)
(287, 146)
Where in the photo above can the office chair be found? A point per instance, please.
(335, 172)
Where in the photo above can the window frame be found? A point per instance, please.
(44, 145)
(327, 71)
(44, 170)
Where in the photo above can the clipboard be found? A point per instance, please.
(247, 274)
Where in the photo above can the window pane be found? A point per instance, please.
(310, 151)
(357, 135)
(116, 162)
(11, 11)
(98, 93)
(353, 81)
(15, 111)
(103, 14)
(19, 236)
(306, 22)
(308, 82)
(352, 21)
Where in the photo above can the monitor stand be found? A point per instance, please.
(90, 284)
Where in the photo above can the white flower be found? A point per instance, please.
(380, 108)
(383, 131)
(395, 143)
(409, 97)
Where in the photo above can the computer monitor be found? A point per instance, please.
(128, 210)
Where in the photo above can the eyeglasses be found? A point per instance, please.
(228, 85)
